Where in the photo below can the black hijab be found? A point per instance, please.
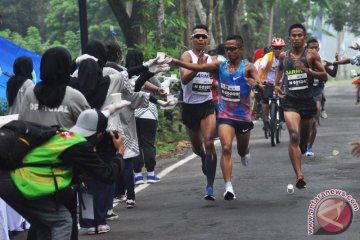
(90, 81)
(134, 58)
(23, 67)
(55, 67)
(97, 49)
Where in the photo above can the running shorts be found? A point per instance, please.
(241, 127)
(317, 93)
(306, 107)
(192, 114)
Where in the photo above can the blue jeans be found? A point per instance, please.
(101, 193)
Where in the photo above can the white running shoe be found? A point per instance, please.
(324, 114)
(309, 152)
(103, 228)
(245, 159)
(229, 195)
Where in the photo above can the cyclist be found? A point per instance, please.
(258, 55)
(299, 67)
(267, 71)
(318, 90)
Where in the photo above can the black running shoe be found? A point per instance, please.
(209, 194)
(300, 183)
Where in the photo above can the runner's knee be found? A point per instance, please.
(294, 138)
(226, 149)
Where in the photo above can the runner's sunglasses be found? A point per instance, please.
(198, 36)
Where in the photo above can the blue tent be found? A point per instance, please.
(9, 51)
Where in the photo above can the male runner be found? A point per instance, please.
(198, 113)
(299, 67)
(267, 71)
(236, 79)
(318, 89)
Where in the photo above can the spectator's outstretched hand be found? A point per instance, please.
(355, 46)
(116, 106)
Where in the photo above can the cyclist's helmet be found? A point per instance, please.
(277, 42)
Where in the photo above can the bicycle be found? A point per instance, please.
(275, 120)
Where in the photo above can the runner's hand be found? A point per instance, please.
(202, 59)
(279, 92)
(299, 65)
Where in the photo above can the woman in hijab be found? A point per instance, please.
(52, 101)
(97, 83)
(146, 125)
(17, 84)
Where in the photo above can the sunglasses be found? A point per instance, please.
(231, 49)
(277, 48)
(198, 36)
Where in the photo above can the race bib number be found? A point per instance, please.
(298, 81)
(201, 86)
(230, 93)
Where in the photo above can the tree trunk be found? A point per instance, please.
(200, 11)
(209, 23)
(244, 29)
(190, 9)
(231, 15)
(160, 22)
(271, 24)
(128, 21)
(218, 27)
(183, 15)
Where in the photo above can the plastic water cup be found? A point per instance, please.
(290, 189)
(116, 98)
(161, 56)
(167, 90)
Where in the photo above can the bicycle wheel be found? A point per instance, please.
(278, 132)
(273, 122)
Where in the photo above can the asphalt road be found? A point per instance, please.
(174, 208)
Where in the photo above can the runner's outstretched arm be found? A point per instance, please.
(204, 67)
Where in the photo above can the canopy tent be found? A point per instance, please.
(9, 51)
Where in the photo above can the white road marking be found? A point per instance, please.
(171, 168)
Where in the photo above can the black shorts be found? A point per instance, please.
(306, 107)
(241, 127)
(192, 114)
(268, 93)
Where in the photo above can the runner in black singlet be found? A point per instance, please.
(299, 66)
